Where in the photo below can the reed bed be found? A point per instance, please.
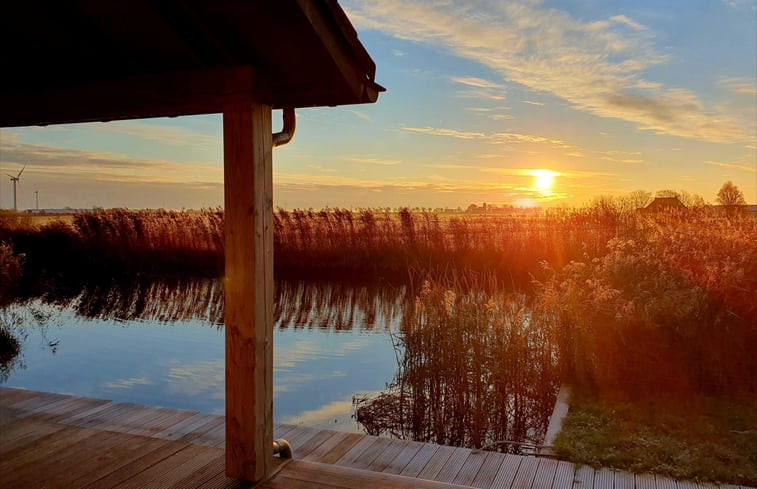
(473, 370)
(360, 244)
(672, 312)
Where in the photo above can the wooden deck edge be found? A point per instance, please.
(346, 477)
(559, 413)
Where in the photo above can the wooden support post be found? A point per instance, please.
(248, 189)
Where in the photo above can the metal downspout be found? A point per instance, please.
(287, 132)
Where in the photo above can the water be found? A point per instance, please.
(161, 343)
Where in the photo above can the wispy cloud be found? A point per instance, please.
(736, 165)
(531, 102)
(335, 415)
(440, 131)
(361, 115)
(742, 86)
(479, 88)
(128, 383)
(617, 156)
(494, 138)
(596, 66)
(53, 160)
(371, 160)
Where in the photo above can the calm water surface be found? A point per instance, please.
(162, 344)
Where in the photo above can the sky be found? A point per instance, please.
(507, 102)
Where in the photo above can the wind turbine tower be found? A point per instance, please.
(14, 180)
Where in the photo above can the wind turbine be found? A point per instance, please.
(14, 180)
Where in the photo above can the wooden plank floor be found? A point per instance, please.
(54, 440)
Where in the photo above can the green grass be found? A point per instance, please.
(702, 439)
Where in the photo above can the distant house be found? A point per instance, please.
(663, 204)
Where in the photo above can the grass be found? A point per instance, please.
(695, 438)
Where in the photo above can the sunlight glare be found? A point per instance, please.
(543, 180)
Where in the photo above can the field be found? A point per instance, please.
(629, 308)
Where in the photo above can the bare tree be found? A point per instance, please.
(691, 200)
(730, 197)
(667, 193)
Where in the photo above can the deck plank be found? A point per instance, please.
(420, 460)
(341, 449)
(366, 458)
(624, 480)
(21, 434)
(564, 475)
(354, 453)
(176, 431)
(524, 478)
(453, 466)
(386, 457)
(104, 463)
(545, 473)
(470, 468)
(306, 447)
(10, 395)
(645, 481)
(314, 475)
(507, 472)
(604, 479)
(584, 478)
(488, 470)
(403, 458)
(666, 483)
(67, 455)
(158, 450)
(329, 444)
(436, 463)
(140, 479)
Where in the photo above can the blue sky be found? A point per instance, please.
(609, 97)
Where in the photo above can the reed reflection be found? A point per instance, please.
(331, 306)
(473, 370)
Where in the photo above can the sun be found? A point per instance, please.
(544, 179)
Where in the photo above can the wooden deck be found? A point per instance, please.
(53, 440)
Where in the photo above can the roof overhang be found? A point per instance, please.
(92, 60)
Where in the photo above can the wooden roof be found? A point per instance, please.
(89, 60)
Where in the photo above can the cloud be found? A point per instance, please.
(436, 131)
(128, 383)
(737, 165)
(493, 138)
(531, 102)
(617, 156)
(361, 115)
(371, 160)
(168, 135)
(741, 86)
(104, 166)
(335, 415)
(596, 66)
(479, 88)
(205, 377)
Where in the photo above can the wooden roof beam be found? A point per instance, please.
(166, 95)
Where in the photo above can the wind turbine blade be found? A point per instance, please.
(22, 171)
(11, 176)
